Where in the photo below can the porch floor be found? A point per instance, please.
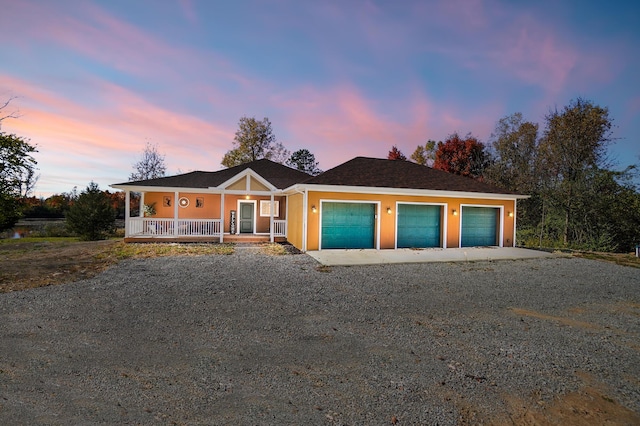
(242, 238)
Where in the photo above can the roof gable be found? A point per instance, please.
(382, 173)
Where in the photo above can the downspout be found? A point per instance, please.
(515, 217)
(305, 218)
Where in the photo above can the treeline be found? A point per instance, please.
(57, 205)
(577, 198)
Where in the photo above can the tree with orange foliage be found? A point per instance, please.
(465, 157)
(396, 154)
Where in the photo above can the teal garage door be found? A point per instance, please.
(479, 226)
(348, 225)
(418, 226)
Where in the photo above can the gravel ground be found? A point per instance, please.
(256, 339)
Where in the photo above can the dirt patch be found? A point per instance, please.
(30, 264)
(38, 264)
(561, 320)
(589, 406)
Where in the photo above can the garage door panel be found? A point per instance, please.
(479, 226)
(419, 226)
(348, 225)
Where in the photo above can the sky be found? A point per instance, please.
(95, 81)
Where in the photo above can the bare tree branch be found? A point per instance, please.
(12, 114)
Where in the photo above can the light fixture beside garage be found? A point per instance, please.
(389, 210)
(454, 212)
(313, 209)
(510, 214)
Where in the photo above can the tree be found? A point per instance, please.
(150, 166)
(16, 176)
(254, 140)
(92, 216)
(304, 161)
(396, 154)
(573, 147)
(425, 155)
(464, 157)
(514, 154)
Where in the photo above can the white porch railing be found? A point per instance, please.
(209, 227)
(151, 227)
(280, 228)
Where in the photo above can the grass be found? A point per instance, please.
(274, 249)
(121, 250)
(617, 258)
(42, 261)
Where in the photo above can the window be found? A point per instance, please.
(265, 208)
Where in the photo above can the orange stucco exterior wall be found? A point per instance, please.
(295, 220)
(388, 221)
(210, 207)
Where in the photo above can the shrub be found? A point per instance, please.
(92, 217)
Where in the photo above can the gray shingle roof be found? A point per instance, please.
(278, 175)
(360, 171)
(382, 173)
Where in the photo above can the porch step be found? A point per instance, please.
(249, 238)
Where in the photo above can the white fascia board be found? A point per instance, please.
(244, 173)
(405, 191)
(133, 188)
(216, 190)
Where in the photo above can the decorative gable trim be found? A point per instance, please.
(248, 175)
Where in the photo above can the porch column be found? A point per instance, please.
(127, 212)
(175, 213)
(271, 220)
(222, 217)
(141, 206)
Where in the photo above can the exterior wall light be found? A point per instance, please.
(510, 214)
(313, 209)
(246, 197)
(454, 212)
(389, 210)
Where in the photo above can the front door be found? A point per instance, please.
(246, 218)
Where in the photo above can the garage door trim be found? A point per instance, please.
(376, 218)
(500, 209)
(444, 209)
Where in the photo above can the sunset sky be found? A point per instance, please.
(96, 80)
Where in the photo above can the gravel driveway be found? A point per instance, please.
(256, 339)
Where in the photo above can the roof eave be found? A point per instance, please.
(404, 191)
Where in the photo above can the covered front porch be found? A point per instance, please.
(150, 229)
(252, 214)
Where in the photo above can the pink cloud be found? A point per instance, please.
(341, 123)
(79, 141)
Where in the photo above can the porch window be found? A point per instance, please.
(265, 208)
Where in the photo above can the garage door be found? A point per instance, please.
(418, 226)
(479, 226)
(348, 225)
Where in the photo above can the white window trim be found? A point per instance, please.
(500, 208)
(376, 218)
(443, 213)
(265, 208)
